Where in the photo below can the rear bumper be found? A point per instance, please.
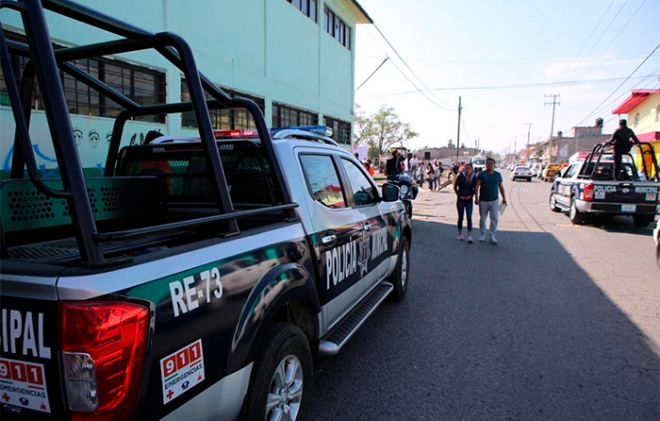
(616, 208)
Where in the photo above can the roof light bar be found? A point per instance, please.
(322, 130)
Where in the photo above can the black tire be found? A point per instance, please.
(574, 214)
(643, 221)
(399, 278)
(529, 180)
(552, 201)
(284, 345)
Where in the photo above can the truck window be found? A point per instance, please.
(364, 193)
(323, 180)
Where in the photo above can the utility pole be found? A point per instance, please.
(515, 149)
(553, 103)
(529, 129)
(458, 137)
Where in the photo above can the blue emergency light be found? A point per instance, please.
(322, 130)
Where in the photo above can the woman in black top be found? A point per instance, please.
(464, 189)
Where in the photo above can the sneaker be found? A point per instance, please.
(460, 237)
(469, 240)
(493, 240)
(482, 238)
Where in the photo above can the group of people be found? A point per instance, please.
(483, 190)
(432, 172)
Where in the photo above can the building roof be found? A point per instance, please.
(360, 13)
(637, 97)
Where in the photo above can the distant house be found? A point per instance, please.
(559, 148)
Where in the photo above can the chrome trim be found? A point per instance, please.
(327, 348)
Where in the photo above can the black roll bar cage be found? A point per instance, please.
(599, 149)
(44, 63)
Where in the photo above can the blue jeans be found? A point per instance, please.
(464, 206)
(431, 181)
(486, 208)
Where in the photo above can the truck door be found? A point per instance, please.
(338, 234)
(565, 184)
(364, 198)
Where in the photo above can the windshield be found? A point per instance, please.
(479, 161)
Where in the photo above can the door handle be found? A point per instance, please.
(329, 239)
(366, 226)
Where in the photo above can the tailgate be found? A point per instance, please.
(30, 387)
(626, 192)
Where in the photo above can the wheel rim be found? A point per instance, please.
(404, 268)
(573, 209)
(553, 202)
(285, 392)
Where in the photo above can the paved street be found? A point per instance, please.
(557, 322)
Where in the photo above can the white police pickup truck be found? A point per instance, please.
(198, 277)
(587, 188)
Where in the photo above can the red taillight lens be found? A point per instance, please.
(589, 192)
(103, 346)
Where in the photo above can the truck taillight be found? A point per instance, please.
(103, 347)
(589, 192)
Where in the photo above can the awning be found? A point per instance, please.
(637, 97)
(648, 137)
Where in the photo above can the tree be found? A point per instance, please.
(381, 130)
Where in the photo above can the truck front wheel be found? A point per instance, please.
(399, 278)
(281, 381)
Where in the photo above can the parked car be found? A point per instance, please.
(549, 172)
(521, 172)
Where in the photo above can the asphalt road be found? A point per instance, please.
(557, 322)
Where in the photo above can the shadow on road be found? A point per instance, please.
(516, 331)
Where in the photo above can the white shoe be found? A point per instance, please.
(493, 240)
(482, 238)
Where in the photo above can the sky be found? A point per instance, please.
(477, 49)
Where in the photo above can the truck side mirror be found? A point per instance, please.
(390, 192)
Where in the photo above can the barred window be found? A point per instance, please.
(307, 7)
(222, 119)
(336, 27)
(341, 130)
(142, 85)
(286, 116)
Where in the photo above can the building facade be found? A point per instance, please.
(294, 58)
(642, 110)
(559, 148)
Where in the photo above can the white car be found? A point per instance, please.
(521, 172)
(656, 237)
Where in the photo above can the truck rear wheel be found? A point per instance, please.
(643, 221)
(281, 381)
(576, 216)
(399, 278)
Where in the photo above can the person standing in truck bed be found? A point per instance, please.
(622, 145)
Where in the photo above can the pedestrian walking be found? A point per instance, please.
(430, 175)
(464, 188)
(414, 162)
(489, 184)
(622, 145)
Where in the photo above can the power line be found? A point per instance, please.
(635, 86)
(517, 86)
(588, 38)
(601, 36)
(373, 73)
(406, 64)
(622, 83)
(613, 39)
